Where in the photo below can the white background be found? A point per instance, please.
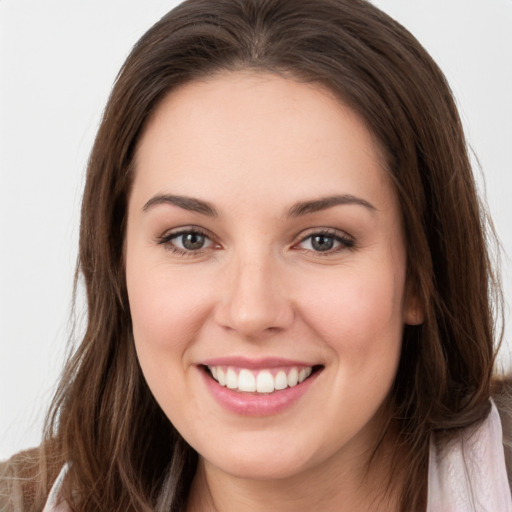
(58, 59)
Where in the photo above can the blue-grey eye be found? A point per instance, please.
(326, 242)
(191, 241)
(322, 242)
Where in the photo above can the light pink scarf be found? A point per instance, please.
(469, 475)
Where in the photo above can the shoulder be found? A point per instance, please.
(502, 396)
(17, 482)
(25, 480)
(469, 465)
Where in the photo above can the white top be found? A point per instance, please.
(468, 475)
(53, 503)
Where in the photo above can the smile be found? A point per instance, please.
(259, 381)
(263, 387)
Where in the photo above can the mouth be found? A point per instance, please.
(260, 381)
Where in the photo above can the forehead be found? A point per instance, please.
(258, 133)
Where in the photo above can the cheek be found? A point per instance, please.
(358, 314)
(166, 306)
(167, 311)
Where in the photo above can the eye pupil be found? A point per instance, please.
(322, 242)
(193, 241)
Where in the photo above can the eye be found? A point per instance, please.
(186, 241)
(326, 242)
(192, 241)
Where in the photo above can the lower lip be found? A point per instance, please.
(257, 404)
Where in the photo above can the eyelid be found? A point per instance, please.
(346, 241)
(166, 240)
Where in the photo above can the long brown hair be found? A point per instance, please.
(124, 453)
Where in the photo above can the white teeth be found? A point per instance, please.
(293, 377)
(246, 381)
(281, 380)
(304, 374)
(262, 381)
(221, 377)
(231, 379)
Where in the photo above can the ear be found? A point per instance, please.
(414, 309)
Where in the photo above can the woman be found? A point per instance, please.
(287, 277)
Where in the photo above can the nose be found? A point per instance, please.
(254, 301)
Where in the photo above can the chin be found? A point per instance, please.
(267, 463)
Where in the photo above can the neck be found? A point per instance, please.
(360, 486)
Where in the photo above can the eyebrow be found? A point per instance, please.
(187, 203)
(323, 203)
(297, 210)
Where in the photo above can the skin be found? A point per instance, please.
(253, 145)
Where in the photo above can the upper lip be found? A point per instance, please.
(256, 363)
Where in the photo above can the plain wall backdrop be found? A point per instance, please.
(58, 60)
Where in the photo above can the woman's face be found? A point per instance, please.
(265, 266)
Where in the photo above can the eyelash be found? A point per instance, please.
(167, 239)
(345, 242)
